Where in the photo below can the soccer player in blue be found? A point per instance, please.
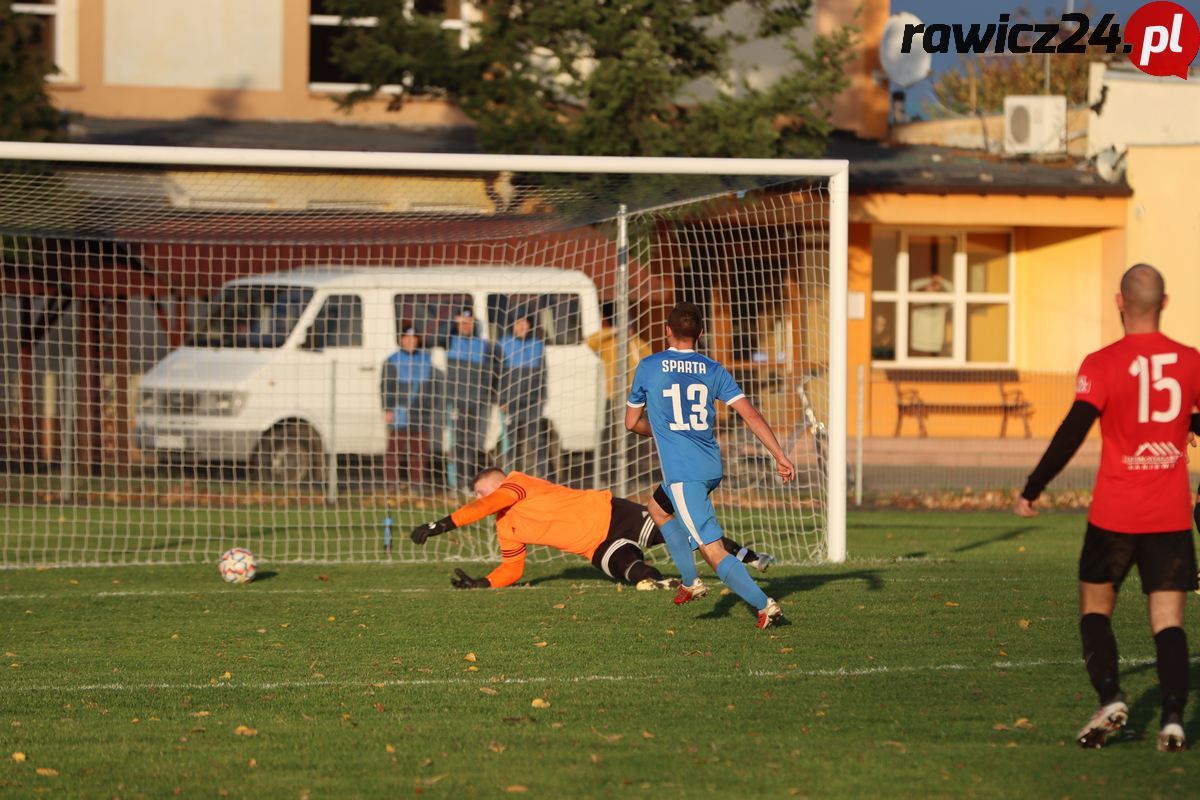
(672, 400)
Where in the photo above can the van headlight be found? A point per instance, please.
(189, 403)
(220, 404)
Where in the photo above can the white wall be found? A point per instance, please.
(199, 44)
(1142, 110)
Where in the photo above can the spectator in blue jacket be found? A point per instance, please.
(522, 396)
(407, 388)
(471, 373)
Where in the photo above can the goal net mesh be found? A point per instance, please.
(309, 363)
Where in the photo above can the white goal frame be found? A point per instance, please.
(836, 171)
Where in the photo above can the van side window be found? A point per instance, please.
(339, 323)
(556, 316)
(431, 314)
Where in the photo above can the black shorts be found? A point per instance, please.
(629, 529)
(664, 501)
(1166, 562)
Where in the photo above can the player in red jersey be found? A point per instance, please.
(1143, 388)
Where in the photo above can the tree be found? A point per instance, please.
(26, 113)
(605, 77)
(980, 82)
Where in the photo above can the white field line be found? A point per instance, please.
(840, 672)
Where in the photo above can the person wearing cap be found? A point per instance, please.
(471, 376)
(406, 388)
(522, 395)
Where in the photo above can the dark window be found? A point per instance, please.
(556, 316)
(431, 314)
(339, 323)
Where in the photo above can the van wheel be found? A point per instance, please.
(291, 455)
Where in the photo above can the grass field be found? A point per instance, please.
(940, 661)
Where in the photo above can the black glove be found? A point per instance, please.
(465, 581)
(422, 532)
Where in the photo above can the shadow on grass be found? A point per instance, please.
(1144, 712)
(1000, 537)
(786, 586)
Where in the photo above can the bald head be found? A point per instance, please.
(1142, 290)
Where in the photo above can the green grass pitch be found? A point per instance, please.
(941, 661)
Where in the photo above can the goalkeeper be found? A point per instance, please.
(611, 532)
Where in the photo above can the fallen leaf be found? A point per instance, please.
(488, 690)
(226, 676)
(243, 730)
(540, 644)
(391, 748)
(517, 788)
(1024, 624)
(595, 759)
(611, 738)
(898, 745)
(951, 604)
(331, 618)
(999, 726)
(472, 668)
(379, 707)
(540, 702)
(726, 592)
(323, 578)
(470, 657)
(18, 757)
(46, 772)
(252, 762)
(786, 649)
(497, 747)
(1024, 724)
(647, 735)
(560, 605)
(200, 713)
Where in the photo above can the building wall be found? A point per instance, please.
(229, 59)
(1164, 227)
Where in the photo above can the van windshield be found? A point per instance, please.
(251, 316)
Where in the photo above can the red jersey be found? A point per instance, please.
(1145, 387)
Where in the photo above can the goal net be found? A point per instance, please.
(307, 354)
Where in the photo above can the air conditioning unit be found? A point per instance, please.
(1035, 124)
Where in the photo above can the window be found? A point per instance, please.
(556, 316)
(339, 323)
(55, 27)
(251, 316)
(942, 297)
(432, 315)
(325, 25)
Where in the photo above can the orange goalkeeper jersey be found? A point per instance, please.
(533, 511)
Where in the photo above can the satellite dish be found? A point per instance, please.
(903, 69)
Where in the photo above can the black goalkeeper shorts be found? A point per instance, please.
(1166, 562)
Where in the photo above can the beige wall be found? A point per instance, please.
(1164, 228)
(232, 80)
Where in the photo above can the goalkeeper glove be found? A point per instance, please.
(422, 532)
(465, 581)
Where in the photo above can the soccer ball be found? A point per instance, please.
(237, 565)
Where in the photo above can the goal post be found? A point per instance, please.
(306, 353)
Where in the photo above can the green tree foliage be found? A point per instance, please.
(26, 113)
(980, 83)
(605, 77)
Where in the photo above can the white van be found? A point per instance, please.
(285, 369)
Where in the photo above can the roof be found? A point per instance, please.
(874, 166)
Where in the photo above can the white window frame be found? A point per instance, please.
(66, 35)
(334, 20)
(958, 299)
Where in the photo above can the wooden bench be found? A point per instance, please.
(1010, 402)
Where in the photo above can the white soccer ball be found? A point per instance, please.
(237, 565)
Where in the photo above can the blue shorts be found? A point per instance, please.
(694, 509)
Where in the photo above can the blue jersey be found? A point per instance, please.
(678, 389)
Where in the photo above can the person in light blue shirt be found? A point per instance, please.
(471, 375)
(672, 399)
(522, 396)
(406, 386)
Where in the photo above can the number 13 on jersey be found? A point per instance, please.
(697, 395)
